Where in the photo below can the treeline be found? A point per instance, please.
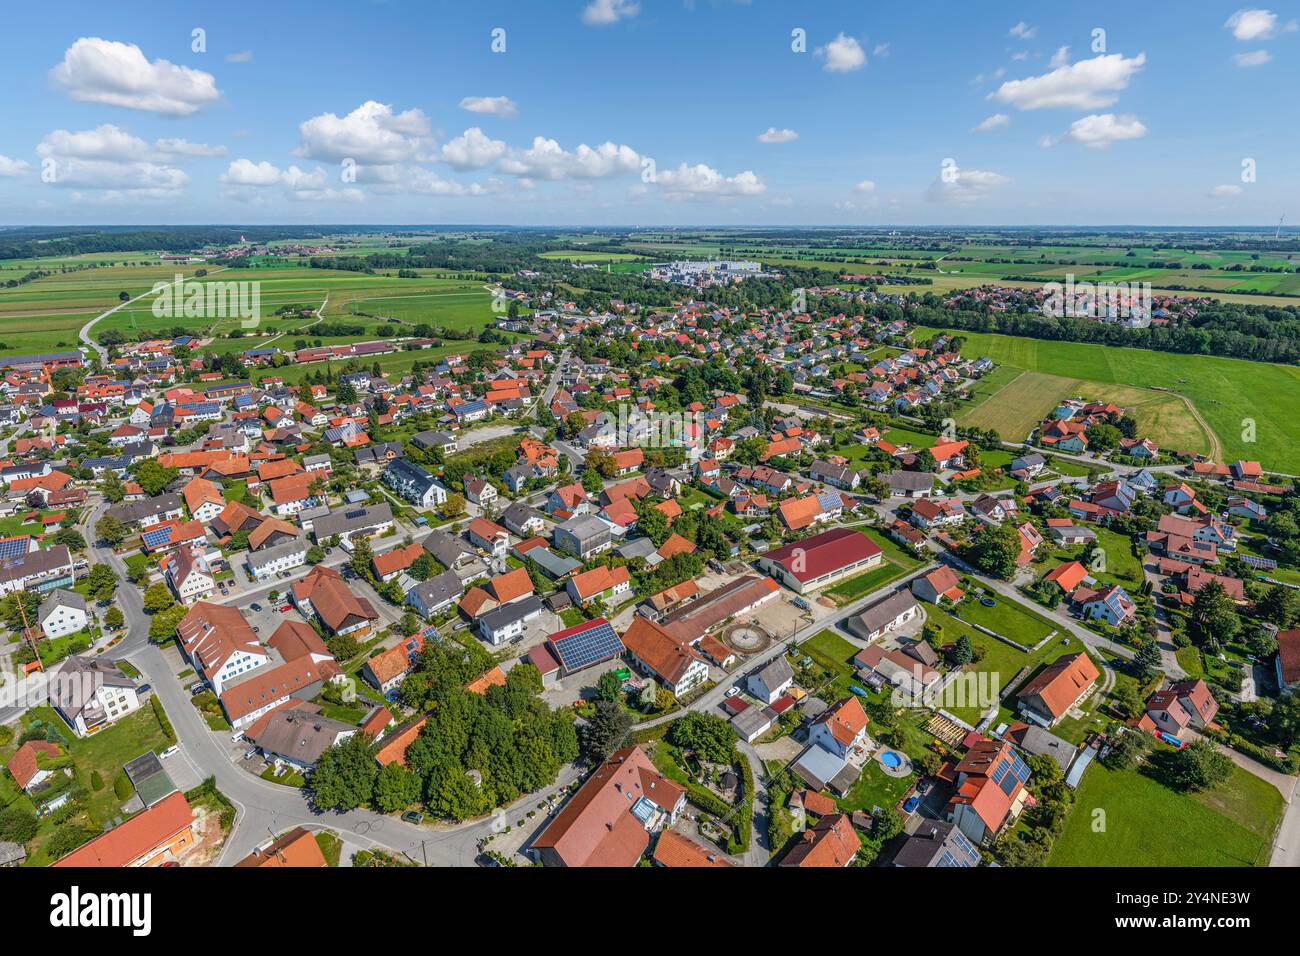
(1256, 333)
(42, 242)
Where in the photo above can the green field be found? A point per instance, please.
(1228, 393)
(1144, 823)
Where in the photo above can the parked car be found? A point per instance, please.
(197, 687)
(912, 803)
(255, 606)
(732, 691)
(411, 816)
(250, 752)
(170, 751)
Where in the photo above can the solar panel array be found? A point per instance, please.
(596, 644)
(158, 537)
(14, 547)
(1262, 564)
(1009, 772)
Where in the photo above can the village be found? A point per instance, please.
(815, 623)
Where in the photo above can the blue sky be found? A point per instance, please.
(651, 112)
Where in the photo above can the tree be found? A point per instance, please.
(71, 539)
(362, 555)
(453, 506)
(112, 487)
(1103, 437)
(111, 530)
(157, 597)
(886, 824)
(17, 825)
(712, 738)
(1147, 661)
(609, 687)
(653, 523)
(153, 478)
(1125, 750)
(994, 550)
(592, 482)
(344, 777)
(163, 625)
(114, 618)
(1214, 620)
(609, 729)
(962, 653)
(396, 788)
(1280, 606)
(102, 582)
(315, 554)
(1199, 766)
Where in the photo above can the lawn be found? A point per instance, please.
(850, 589)
(831, 674)
(1007, 618)
(1147, 824)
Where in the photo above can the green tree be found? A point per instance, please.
(609, 729)
(1199, 766)
(315, 554)
(114, 618)
(153, 478)
(711, 737)
(653, 523)
(111, 530)
(609, 687)
(157, 597)
(1147, 661)
(345, 775)
(102, 582)
(362, 555)
(396, 788)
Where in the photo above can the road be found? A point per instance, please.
(85, 329)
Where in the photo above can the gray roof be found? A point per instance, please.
(11, 853)
(36, 562)
(345, 520)
(641, 547)
(73, 686)
(519, 514)
(881, 613)
(775, 672)
(1043, 743)
(300, 734)
(60, 597)
(295, 545)
(554, 565)
(446, 548)
(132, 511)
(584, 526)
(910, 480)
(929, 844)
(507, 614)
(440, 589)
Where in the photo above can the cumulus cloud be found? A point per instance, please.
(705, 182)
(95, 70)
(774, 135)
(844, 54)
(1060, 57)
(546, 159)
(473, 149)
(14, 167)
(371, 133)
(183, 148)
(964, 187)
(601, 13)
(1023, 31)
(1248, 25)
(108, 158)
(1254, 58)
(864, 186)
(1086, 85)
(247, 180)
(996, 121)
(1098, 131)
(502, 106)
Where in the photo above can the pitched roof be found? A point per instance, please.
(824, 553)
(658, 649)
(1062, 683)
(675, 850)
(125, 844)
(831, 842)
(297, 848)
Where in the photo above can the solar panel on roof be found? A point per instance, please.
(14, 547)
(161, 536)
(599, 643)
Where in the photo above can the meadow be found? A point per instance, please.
(1229, 394)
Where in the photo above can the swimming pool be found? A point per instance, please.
(891, 759)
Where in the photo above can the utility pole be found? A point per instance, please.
(20, 597)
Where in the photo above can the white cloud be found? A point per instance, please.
(964, 187)
(502, 106)
(996, 121)
(184, 148)
(109, 158)
(1098, 131)
(244, 56)
(1254, 58)
(1020, 55)
(1085, 85)
(705, 182)
(773, 135)
(246, 180)
(864, 186)
(1060, 57)
(1023, 31)
(1248, 25)
(371, 133)
(14, 167)
(95, 70)
(844, 54)
(1220, 192)
(546, 159)
(600, 13)
(880, 49)
(473, 149)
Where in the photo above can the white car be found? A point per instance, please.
(170, 751)
(732, 691)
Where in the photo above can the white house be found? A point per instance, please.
(62, 612)
(91, 694)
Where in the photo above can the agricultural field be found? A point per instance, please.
(1227, 394)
